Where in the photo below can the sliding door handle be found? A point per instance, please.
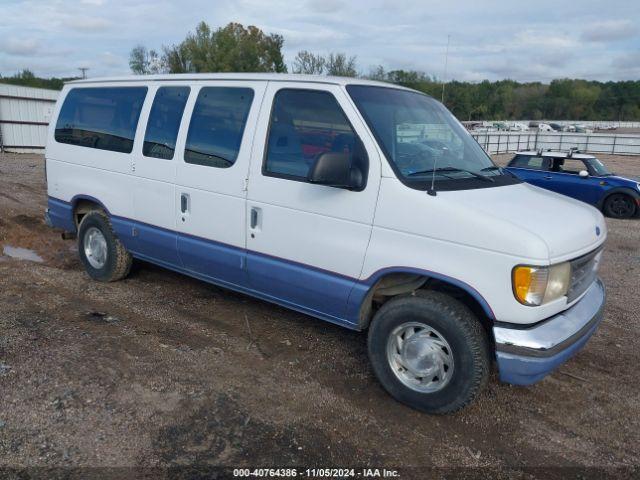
(255, 216)
(184, 203)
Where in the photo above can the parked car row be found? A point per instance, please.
(524, 127)
(556, 127)
(577, 129)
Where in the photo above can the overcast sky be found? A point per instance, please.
(526, 41)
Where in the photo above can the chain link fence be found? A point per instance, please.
(507, 142)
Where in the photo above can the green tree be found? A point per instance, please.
(232, 48)
(339, 65)
(176, 59)
(377, 73)
(309, 63)
(143, 61)
(28, 79)
(240, 49)
(336, 64)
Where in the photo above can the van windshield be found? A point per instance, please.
(424, 142)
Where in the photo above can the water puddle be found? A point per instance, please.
(21, 254)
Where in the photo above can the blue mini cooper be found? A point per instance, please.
(580, 176)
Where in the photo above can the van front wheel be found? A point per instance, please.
(104, 256)
(429, 351)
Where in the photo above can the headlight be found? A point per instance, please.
(537, 285)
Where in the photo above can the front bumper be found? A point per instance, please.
(526, 355)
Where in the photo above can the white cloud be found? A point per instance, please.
(547, 38)
(87, 23)
(611, 30)
(628, 63)
(525, 41)
(307, 38)
(325, 6)
(112, 60)
(22, 47)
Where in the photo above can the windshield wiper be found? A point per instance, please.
(439, 171)
(491, 168)
(475, 174)
(430, 171)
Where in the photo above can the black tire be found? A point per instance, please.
(619, 205)
(457, 325)
(118, 259)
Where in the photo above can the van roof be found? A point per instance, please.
(266, 77)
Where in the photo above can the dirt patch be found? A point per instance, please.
(221, 432)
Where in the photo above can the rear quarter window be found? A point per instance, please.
(164, 122)
(104, 118)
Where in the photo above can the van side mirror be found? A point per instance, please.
(335, 169)
(583, 173)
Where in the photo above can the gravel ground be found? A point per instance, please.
(161, 370)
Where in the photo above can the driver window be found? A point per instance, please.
(304, 125)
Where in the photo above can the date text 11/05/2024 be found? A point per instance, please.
(317, 472)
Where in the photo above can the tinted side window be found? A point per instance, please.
(104, 118)
(217, 125)
(164, 122)
(304, 125)
(528, 161)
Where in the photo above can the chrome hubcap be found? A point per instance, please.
(420, 357)
(95, 248)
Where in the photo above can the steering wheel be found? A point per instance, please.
(412, 157)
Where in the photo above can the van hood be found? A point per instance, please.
(526, 220)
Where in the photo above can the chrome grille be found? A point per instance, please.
(583, 272)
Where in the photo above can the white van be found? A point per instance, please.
(361, 203)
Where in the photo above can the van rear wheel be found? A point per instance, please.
(103, 255)
(429, 352)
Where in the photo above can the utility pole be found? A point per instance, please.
(446, 59)
(84, 72)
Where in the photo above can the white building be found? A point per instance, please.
(25, 113)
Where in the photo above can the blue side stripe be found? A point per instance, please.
(321, 293)
(213, 259)
(315, 288)
(61, 214)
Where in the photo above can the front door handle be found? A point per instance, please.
(548, 177)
